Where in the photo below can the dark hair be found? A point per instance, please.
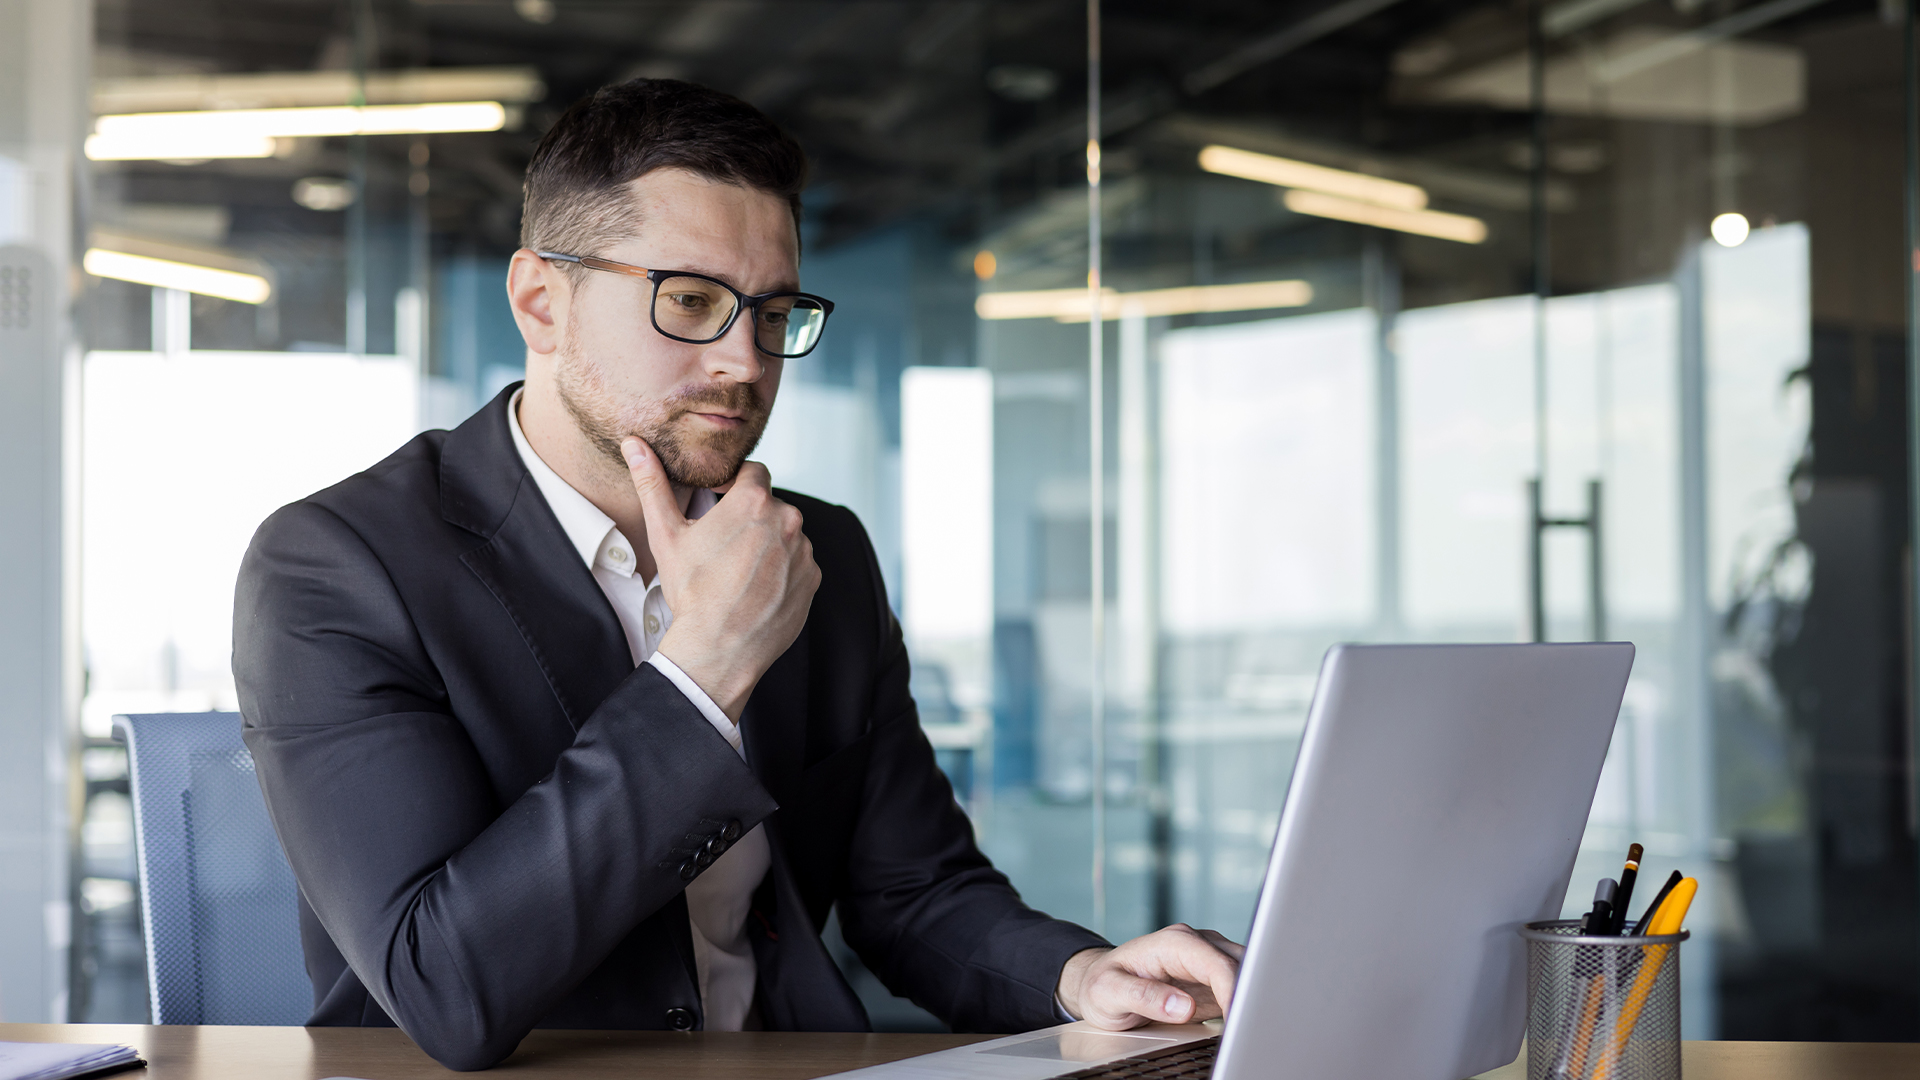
(617, 134)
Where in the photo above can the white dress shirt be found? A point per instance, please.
(719, 899)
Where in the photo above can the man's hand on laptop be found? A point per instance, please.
(739, 581)
(1178, 976)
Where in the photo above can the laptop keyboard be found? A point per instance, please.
(1190, 1061)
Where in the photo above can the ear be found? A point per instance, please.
(538, 293)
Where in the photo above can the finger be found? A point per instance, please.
(752, 476)
(1187, 955)
(657, 504)
(1122, 997)
(1225, 944)
(1218, 969)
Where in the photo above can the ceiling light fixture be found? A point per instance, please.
(1070, 305)
(137, 146)
(168, 274)
(250, 132)
(1730, 230)
(1288, 173)
(288, 89)
(325, 193)
(1460, 228)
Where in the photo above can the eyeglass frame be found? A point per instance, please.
(741, 301)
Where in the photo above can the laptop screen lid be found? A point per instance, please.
(1437, 803)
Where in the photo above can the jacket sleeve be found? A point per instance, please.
(923, 907)
(466, 919)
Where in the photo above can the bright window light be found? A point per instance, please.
(1070, 305)
(1298, 426)
(1285, 172)
(164, 456)
(1456, 227)
(168, 274)
(946, 502)
(187, 135)
(1731, 229)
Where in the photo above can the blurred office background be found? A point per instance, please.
(1423, 320)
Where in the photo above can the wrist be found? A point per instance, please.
(1073, 978)
(726, 683)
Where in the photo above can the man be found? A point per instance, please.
(555, 736)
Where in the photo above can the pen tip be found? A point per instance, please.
(1634, 851)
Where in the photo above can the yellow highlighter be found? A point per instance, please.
(1667, 920)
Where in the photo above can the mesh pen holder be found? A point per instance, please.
(1601, 1008)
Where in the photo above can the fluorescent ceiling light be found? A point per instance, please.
(285, 89)
(201, 146)
(1033, 304)
(1286, 172)
(1457, 227)
(1071, 305)
(168, 274)
(186, 135)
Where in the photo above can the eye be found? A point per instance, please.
(689, 301)
(774, 318)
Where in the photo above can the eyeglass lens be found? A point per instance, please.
(696, 309)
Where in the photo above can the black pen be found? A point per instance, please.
(1634, 851)
(1600, 919)
(1646, 917)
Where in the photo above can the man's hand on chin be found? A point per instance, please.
(1177, 976)
(739, 581)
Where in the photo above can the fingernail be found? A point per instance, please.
(634, 450)
(1177, 1004)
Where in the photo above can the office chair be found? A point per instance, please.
(220, 905)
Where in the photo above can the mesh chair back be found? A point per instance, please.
(222, 910)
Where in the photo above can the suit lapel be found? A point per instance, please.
(529, 565)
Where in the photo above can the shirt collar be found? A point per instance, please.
(592, 533)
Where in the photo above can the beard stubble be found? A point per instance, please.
(689, 458)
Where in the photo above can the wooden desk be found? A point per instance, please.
(291, 1053)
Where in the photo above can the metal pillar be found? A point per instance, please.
(1097, 474)
(44, 63)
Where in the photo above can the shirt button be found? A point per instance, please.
(618, 555)
(653, 624)
(679, 1019)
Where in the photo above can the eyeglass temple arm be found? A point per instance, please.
(592, 263)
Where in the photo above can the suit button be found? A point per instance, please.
(679, 1019)
(703, 858)
(714, 846)
(688, 870)
(731, 832)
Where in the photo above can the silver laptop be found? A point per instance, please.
(1436, 804)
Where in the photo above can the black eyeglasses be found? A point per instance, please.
(699, 310)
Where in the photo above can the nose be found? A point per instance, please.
(734, 355)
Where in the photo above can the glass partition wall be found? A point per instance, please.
(1436, 321)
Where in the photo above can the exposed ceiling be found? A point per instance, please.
(970, 114)
(960, 107)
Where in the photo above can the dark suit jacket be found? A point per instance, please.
(492, 813)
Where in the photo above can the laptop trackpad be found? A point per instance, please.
(1081, 1046)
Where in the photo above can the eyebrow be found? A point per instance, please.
(785, 284)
